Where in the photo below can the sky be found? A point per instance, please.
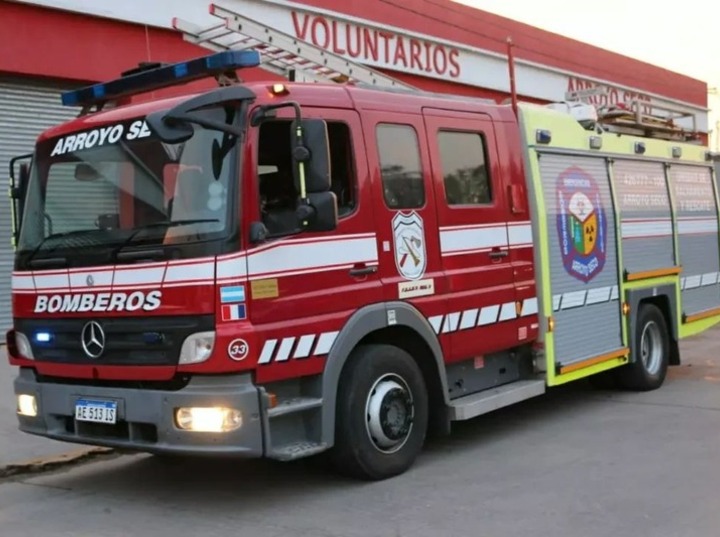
(679, 36)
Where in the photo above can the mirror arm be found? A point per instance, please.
(219, 96)
(262, 111)
(189, 117)
(182, 113)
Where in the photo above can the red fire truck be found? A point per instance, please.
(279, 270)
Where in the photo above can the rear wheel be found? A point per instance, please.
(382, 413)
(652, 351)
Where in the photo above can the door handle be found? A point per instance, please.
(362, 270)
(497, 253)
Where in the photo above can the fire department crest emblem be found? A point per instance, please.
(581, 224)
(409, 239)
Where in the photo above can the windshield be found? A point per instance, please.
(97, 193)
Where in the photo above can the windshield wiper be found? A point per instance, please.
(54, 260)
(165, 223)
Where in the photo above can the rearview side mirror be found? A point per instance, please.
(18, 192)
(320, 213)
(310, 149)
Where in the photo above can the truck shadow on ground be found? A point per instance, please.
(181, 482)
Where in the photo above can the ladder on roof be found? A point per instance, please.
(281, 53)
(633, 119)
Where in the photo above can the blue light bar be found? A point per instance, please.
(162, 77)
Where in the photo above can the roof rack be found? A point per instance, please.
(632, 118)
(281, 53)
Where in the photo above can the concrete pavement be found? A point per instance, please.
(20, 451)
(575, 462)
(23, 453)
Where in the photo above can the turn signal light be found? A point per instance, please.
(279, 89)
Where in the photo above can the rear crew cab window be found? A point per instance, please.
(400, 168)
(464, 167)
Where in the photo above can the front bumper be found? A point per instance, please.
(145, 418)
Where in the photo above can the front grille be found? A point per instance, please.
(175, 384)
(128, 341)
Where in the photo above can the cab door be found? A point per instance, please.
(303, 286)
(475, 239)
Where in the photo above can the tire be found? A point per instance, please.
(652, 347)
(379, 381)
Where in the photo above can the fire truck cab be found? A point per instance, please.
(278, 270)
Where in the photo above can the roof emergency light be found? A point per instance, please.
(162, 77)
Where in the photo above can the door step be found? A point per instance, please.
(486, 401)
(296, 450)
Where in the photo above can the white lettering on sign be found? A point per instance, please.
(603, 95)
(110, 134)
(368, 44)
(693, 190)
(100, 302)
(641, 191)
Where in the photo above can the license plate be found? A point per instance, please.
(96, 411)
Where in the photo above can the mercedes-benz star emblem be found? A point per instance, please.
(92, 338)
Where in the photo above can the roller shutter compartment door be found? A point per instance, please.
(26, 109)
(583, 257)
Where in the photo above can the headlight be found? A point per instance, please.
(22, 343)
(208, 419)
(197, 348)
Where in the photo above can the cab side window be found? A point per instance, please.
(278, 194)
(465, 172)
(400, 167)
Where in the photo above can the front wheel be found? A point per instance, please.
(652, 351)
(382, 413)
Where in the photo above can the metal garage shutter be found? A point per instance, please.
(26, 109)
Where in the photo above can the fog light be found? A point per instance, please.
(27, 405)
(208, 420)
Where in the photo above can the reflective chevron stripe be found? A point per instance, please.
(586, 297)
(305, 346)
(485, 316)
(699, 280)
(281, 350)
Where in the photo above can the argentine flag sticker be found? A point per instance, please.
(232, 294)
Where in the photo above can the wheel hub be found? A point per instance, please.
(651, 347)
(389, 413)
(394, 414)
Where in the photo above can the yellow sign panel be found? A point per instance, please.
(265, 288)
